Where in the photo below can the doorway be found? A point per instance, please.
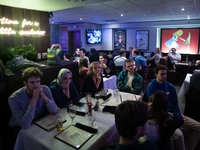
(74, 41)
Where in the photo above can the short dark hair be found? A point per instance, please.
(82, 49)
(159, 67)
(31, 72)
(136, 51)
(92, 50)
(104, 55)
(128, 116)
(122, 51)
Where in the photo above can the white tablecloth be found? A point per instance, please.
(110, 83)
(182, 92)
(35, 138)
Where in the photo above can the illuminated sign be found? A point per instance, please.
(9, 31)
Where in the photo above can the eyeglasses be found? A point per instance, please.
(129, 66)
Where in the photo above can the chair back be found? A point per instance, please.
(118, 69)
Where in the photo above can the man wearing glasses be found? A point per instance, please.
(129, 80)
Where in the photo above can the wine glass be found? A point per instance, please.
(72, 114)
(116, 94)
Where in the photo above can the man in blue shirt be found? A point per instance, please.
(193, 127)
(140, 62)
(130, 118)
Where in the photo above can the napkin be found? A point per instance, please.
(110, 109)
(86, 128)
(106, 97)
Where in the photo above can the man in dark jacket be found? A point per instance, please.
(193, 127)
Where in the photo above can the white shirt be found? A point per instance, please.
(130, 79)
(119, 61)
(176, 56)
(156, 58)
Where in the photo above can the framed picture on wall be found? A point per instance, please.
(120, 39)
(185, 41)
(142, 39)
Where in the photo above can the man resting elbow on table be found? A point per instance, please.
(30, 102)
(129, 80)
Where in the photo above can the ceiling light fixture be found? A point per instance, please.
(188, 16)
(182, 9)
(81, 19)
(122, 15)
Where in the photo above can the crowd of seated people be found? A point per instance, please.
(33, 100)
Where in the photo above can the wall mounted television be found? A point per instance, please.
(185, 40)
(93, 36)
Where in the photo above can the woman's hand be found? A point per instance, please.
(65, 86)
(99, 77)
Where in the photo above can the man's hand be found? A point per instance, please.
(36, 94)
(44, 97)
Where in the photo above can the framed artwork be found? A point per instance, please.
(120, 39)
(142, 39)
(186, 41)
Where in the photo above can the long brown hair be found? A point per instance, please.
(90, 71)
(159, 109)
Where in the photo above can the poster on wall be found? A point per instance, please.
(120, 39)
(186, 41)
(142, 39)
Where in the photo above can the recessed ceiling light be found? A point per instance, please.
(52, 22)
(188, 16)
(122, 15)
(81, 19)
(182, 9)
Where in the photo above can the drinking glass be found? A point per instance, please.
(116, 94)
(104, 91)
(92, 118)
(72, 114)
(97, 96)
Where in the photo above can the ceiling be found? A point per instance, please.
(109, 11)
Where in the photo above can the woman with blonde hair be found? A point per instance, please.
(93, 82)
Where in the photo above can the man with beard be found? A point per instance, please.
(30, 102)
(129, 80)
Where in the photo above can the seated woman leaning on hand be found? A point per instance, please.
(107, 65)
(93, 82)
(63, 89)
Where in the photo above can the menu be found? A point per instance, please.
(74, 136)
(48, 122)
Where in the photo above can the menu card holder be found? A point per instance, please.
(74, 136)
(47, 122)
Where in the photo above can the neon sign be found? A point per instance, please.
(7, 21)
(9, 31)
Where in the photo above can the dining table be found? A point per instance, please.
(110, 82)
(37, 138)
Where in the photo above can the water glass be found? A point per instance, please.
(72, 114)
(92, 118)
(116, 94)
(104, 92)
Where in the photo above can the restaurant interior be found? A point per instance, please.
(38, 24)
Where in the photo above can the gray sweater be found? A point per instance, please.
(23, 114)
